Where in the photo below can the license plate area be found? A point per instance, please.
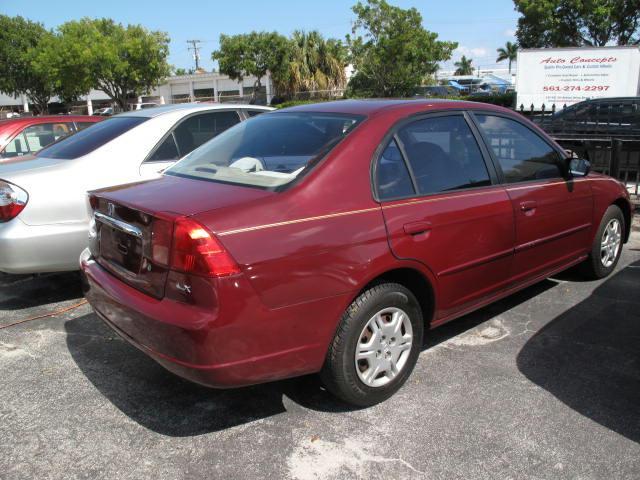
(121, 248)
(122, 242)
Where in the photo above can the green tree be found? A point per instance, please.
(508, 52)
(253, 54)
(56, 57)
(19, 43)
(124, 62)
(391, 51)
(314, 63)
(464, 66)
(571, 23)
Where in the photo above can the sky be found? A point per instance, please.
(479, 27)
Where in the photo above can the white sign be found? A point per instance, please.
(564, 76)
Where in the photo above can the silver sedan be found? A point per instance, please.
(44, 211)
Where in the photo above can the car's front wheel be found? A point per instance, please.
(607, 245)
(376, 345)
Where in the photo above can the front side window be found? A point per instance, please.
(443, 154)
(39, 136)
(521, 153)
(91, 138)
(267, 150)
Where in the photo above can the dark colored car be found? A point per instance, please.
(435, 91)
(618, 116)
(327, 238)
(28, 135)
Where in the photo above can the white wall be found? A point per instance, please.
(177, 85)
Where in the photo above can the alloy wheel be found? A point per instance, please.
(610, 243)
(383, 347)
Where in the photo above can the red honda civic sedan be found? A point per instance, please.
(327, 238)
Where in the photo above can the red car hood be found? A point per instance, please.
(181, 195)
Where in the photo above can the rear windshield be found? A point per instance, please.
(90, 138)
(268, 150)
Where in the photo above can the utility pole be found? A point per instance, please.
(195, 46)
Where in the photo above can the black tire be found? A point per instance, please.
(339, 371)
(593, 267)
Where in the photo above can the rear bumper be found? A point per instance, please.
(238, 342)
(40, 248)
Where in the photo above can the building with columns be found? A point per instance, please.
(209, 87)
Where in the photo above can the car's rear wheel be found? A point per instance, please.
(376, 345)
(607, 245)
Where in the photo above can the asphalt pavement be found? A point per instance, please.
(544, 384)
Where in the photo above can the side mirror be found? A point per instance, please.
(579, 167)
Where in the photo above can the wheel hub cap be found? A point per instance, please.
(383, 347)
(610, 243)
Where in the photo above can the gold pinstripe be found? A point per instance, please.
(298, 220)
(342, 214)
(540, 185)
(384, 207)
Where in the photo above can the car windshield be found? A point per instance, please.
(268, 150)
(90, 138)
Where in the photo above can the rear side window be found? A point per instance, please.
(521, 153)
(253, 113)
(39, 136)
(166, 151)
(191, 133)
(91, 138)
(83, 125)
(443, 155)
(16, 147)
(198, 129)
(393, 178)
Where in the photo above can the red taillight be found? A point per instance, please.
(12, 201)
(194, 249)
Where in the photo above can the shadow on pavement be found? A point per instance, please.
(589, 357)
(164, 403)
(19, 292)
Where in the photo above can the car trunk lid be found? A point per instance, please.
(133, 224)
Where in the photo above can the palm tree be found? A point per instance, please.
(315, 64)
(464, 66)
(508, 52)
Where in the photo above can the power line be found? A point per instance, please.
(195, 46)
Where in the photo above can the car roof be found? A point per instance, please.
(11, 125)
(608, 100)
(374, 106)
(194, 107)
(48, 119)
